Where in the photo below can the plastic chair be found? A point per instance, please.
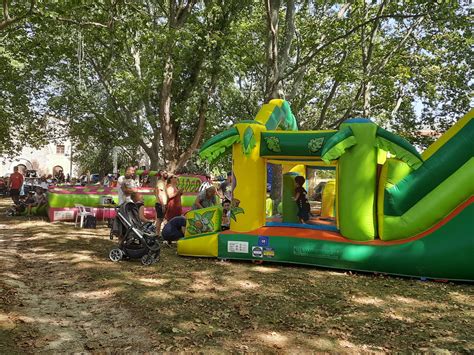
(81, 212)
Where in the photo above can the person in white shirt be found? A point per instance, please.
(205, 184)
(126, 184)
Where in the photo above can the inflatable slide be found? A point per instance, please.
(396, 211)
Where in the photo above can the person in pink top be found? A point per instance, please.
(15, 184)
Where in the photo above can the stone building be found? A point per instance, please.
(46, 160)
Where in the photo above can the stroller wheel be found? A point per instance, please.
(116, 254)
(147, 259)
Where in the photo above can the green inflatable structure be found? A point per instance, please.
(397, 211)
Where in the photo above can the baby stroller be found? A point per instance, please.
(136, 241)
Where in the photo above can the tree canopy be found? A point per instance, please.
(163, 75)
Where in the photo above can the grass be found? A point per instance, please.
(61, 294)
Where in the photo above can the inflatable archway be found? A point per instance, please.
(413, 219)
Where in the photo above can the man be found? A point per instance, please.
(15, 184)
(161, 199)
(126, 184)
(225, 189)
(207, 183)
(206, 198)
(174, 229)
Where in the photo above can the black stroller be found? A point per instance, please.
(137, 241)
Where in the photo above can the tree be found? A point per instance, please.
(393, 42)
(163, 75)
(148, 76)
(20, 122)
(21, 12)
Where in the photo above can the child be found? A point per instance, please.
(268, 205)
(225, 224)
(137, 199)
(301, 200)
(38, 200)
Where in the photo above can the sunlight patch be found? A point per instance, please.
(373, 301)
(400, 317)
(6, 323)
(153, 282)
(12, 275)
(78, 258)
(465, 299)
(95, 295)
(320, 343)
(265, 269)
(159, 294)
(274, 338)
(346, 344)
(412, 301)
(246, 284)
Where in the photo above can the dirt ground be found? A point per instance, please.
(60, 293)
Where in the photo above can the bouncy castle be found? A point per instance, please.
(63, 200)
(393, 210)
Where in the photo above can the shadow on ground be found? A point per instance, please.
(61, 293)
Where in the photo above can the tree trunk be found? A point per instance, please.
(273, 73)
(168, 129)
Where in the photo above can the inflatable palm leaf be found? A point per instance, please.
(249, 141)
(218, 144)
(277, 115)
(234, 211)
(338, 144)
(399, 147)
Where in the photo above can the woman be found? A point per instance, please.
(174, 207)
(206, 198)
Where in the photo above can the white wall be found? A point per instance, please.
(43, 160)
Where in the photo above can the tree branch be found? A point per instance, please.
(6, 15)
(288, 36)
(183, 12)
(190, 83)
(387, 58)
(82, 23)
(8, 21)
(323, 46)
(349, 109)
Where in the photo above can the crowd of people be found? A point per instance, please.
(169, 211)
(168, 208)
(24, 199)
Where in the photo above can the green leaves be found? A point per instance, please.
(273, 144)
(420, 80)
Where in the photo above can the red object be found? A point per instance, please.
(174, 208)
(16, 180)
